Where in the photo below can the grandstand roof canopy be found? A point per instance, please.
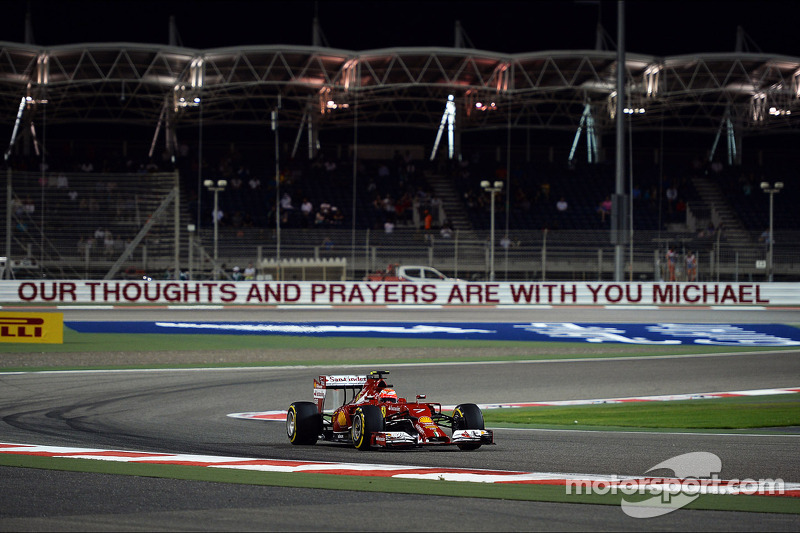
(127, 82)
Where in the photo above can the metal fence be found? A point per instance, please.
(128, 226)
(526, 255)
(89, 225)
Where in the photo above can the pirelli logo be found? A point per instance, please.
(32, 327)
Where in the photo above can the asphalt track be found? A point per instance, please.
(186, 412)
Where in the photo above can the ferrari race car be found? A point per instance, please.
(375, 416)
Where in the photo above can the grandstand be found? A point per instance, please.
(355, 130)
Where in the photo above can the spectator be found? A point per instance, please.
(708, 231)
(337, 217)
(604, 209)
(436, 206)
(672, 196)
(219, 215)
(672, 258)
(306, 208)
(545, 189)
(29, 208)
(691, 266)
(521, 201)
(747, 184)
(765, 238)
(286, 202)
(403, 207)
(237, 219)
(447, 230)
(410, 168)
(62, 182)
(562, 205)
(388, 204)
(377, 206)
(250, 272)
(108, 243)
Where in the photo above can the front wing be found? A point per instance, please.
(389, 439)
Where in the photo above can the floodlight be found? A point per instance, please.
(448, 119)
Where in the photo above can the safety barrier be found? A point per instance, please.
(68, 292)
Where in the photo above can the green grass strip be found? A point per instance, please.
(526, 492)
(708, 414)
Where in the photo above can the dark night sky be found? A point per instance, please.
(654, 27)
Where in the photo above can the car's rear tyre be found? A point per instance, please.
(367, 420)
(468, 416)
(303, 423)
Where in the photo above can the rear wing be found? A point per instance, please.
(341, 382)
(325, 383)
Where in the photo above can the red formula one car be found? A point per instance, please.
(375, 416)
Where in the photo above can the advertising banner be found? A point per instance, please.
(741, 335)
(32, 327)
(398, 293)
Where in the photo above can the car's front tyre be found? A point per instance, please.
(303, 423)
(367, 420)
(468, 416)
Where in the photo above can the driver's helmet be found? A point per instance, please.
(388, 395)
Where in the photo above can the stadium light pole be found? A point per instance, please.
(191, 228)
(772, 190)
(274, 126)
(216, 187)
(493, 190)
(617, 209)
(6, 270)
